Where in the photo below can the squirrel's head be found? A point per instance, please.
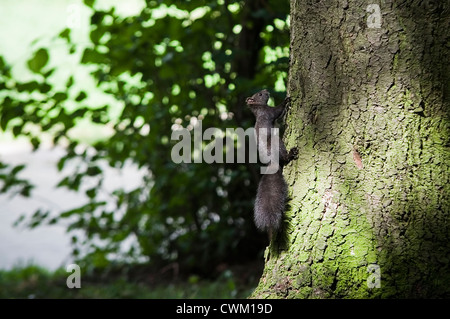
(259, 98)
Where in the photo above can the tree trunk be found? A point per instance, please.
(369, 215)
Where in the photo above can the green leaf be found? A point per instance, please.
(26, 190)
(89, 3)
(48, 73)
(81, 96)
(45, 88)
(93, 171)
(39, 60)
(91, 56)
(35, 142)
(91, 193)
(60, 96)
(69, 82)
(17, 169)
(19, 220)
(17, 129)
(27, 86)
(65, 34)
(95, 35)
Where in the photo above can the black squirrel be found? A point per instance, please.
(271, 196)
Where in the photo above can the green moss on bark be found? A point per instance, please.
(370, 116)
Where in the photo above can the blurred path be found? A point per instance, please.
(47, 246)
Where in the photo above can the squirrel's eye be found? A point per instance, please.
(259, 94)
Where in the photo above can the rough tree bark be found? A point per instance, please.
(370, 210)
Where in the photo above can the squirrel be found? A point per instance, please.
(271, 195)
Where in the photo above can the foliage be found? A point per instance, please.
(172, 64)
(33, 282)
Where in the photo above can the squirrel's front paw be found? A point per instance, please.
(293, 153)
(287, 101)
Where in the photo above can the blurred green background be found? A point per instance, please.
(108, 82)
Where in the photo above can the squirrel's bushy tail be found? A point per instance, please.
(270, 202)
